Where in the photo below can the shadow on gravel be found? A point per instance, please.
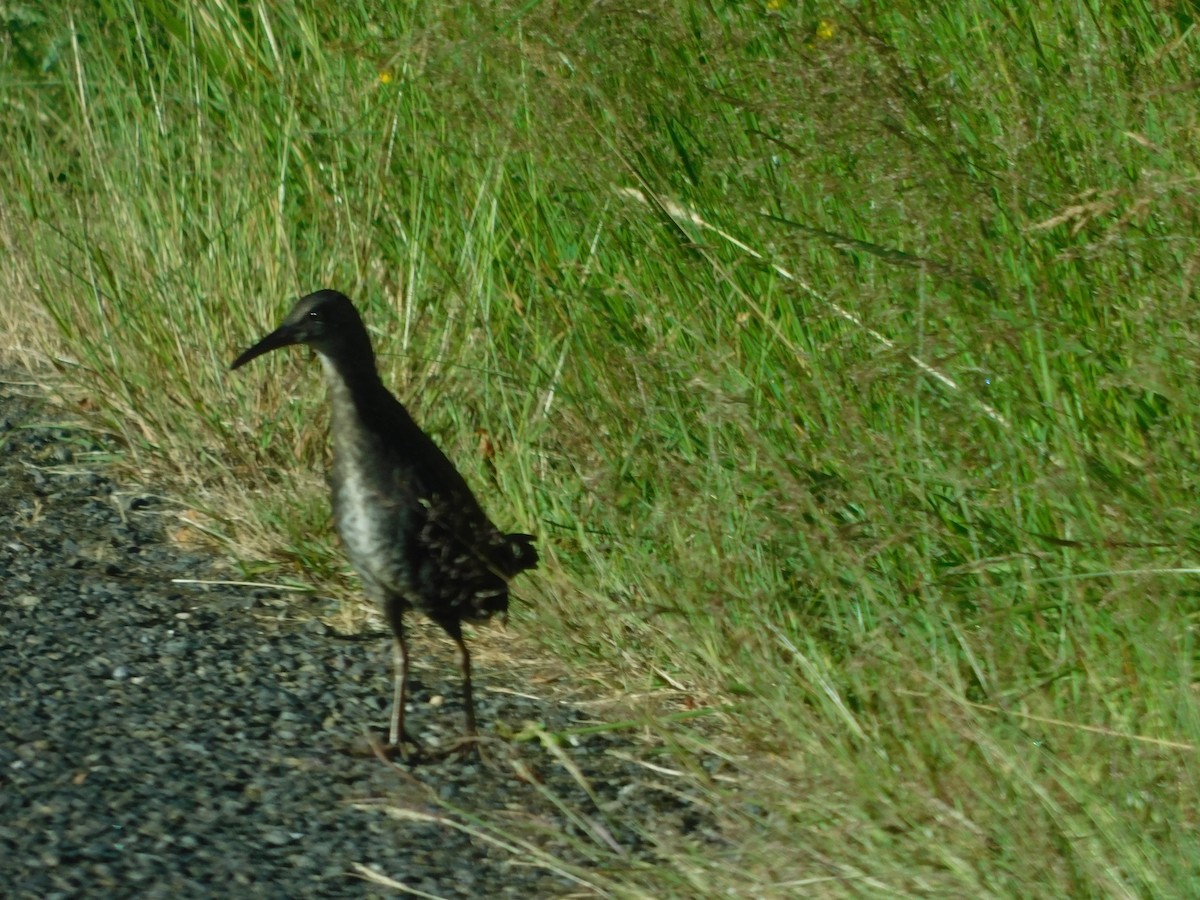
(168, 740)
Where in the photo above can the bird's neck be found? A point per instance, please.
(353, 383)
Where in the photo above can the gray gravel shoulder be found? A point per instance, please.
(167, 740)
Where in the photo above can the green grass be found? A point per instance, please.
(844, 358)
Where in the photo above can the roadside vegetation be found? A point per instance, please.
(845, 357)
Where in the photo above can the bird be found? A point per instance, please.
(413, 531)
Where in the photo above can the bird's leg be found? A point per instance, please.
(464, 666)
(399, 688)
(454, 629)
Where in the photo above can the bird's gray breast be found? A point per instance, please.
(373, 507)
(369, 513)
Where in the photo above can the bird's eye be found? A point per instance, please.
(315, 314)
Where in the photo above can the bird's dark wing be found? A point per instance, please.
(459, 562)
(457, 558)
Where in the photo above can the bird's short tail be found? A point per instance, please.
(520, 555)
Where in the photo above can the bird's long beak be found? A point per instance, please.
(282, 336)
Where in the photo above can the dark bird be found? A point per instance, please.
(414, 532)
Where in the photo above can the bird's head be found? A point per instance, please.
(326, 321)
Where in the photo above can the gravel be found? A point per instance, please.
(178, 740)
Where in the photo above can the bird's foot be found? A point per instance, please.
(405, 750)
(470, 747)
(465, 746)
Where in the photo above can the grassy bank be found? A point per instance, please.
(844, 357)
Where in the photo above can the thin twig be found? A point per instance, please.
(253, 584)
